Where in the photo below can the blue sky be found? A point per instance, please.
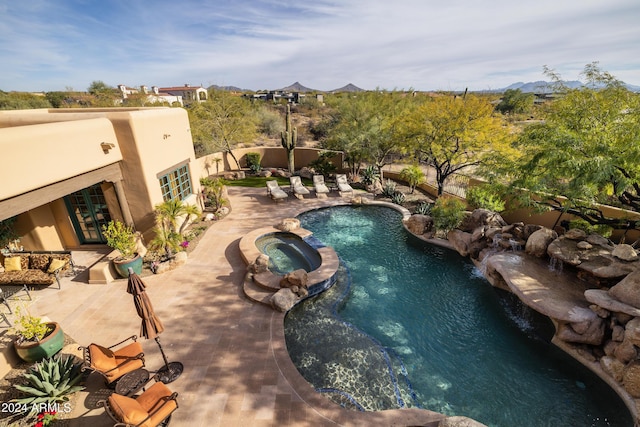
(324, 44)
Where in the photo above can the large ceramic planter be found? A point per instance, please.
(122, 267)
(35, 351)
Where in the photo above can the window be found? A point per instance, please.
(176, 184)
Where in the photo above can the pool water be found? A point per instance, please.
(288, 252)
(408, 324)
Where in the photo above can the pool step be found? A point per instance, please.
(256, 293)
(268, 281)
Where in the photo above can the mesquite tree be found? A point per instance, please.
(289, 137)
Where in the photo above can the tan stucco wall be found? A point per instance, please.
(36, 155)
(270, 157)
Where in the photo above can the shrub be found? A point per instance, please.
(120, 237)
(413, 175)
(447, 213)
(601, 229)
(483, 197)
(29, 328)
(424, 208)
(389, 188)
(398, 198)
(323, 164)
(253, 162)
(370, 175)
(50, 381)
(214, 192)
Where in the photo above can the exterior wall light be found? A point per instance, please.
(106, 146)
(165, 136)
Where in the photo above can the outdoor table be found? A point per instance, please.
(132, 382)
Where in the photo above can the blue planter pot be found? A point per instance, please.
(35, 351)
(122, 267)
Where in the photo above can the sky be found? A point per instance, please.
(323, 44)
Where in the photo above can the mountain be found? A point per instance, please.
(348, 88)
(547, 87)
(229, 88)
(297, 87)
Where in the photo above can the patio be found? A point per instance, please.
(237, 371)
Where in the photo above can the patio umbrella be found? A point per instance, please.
(151, 326)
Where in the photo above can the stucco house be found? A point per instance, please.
(190, 94)
(66, 172)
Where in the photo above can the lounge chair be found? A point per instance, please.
(274, 191)
(343, 184)
(113, 364)
(299, 190)
(319, 185)
(150, 409)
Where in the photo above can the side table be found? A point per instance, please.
(132, 382)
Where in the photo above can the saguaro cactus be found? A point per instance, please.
(289, 137)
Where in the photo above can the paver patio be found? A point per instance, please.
(237, 371)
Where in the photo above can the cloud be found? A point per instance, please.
(424, 44)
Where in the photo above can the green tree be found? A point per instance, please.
(586, 151)
(453, 133)
(514, 101)
(221, 123)
(103, 94)
(366, 128)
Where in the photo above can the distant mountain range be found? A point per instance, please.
(530, 87)
(295, 87)
(547, 87)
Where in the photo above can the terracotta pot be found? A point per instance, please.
(122, 266)
(35, 351)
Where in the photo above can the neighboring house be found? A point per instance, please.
(153, 96)
(67, 172)
(188, 93)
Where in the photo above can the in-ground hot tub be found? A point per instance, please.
(288, 252)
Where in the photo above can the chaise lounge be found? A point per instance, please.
(275, 192)
(318, 184)
(113, 364)
(298, 189)
(343, 184)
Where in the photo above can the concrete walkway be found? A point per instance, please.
(237, 371)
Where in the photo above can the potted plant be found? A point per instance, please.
(122, 238)
(36, 339)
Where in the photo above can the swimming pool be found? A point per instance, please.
(411, 325)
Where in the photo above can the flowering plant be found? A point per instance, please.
(46, 418)
(184, 244)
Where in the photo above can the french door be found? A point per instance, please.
(88, 211)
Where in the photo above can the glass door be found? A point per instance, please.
(88, 211)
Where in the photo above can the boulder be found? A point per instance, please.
(625, 352)
(461, 241)
(592, 333)
(596, 239)
(617, 333)
(265, 173)
(625, 252)
(419, 224)
(613, 367)
(283, 300)
(482, 217)
(281, 173)
(583, 245)
(539, 241)
(627, 290)
(632, 331)
(289, 224)
(631, 379)
(306, 173)
(297, 278)
(575, 234)
(603, 299)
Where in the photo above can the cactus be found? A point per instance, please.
(289, 138)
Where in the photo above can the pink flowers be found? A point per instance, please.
(184, 244)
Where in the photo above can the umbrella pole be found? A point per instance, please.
(170, 371)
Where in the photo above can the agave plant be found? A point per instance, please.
(389, 188)
(398, 198)
(424, 208)
(370, 175)
(50, 381)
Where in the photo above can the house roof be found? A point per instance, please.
(179, 88)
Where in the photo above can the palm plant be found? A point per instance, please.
(413, 175)
(172, 218)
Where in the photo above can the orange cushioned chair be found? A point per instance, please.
(152, 408)
(113, 364)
